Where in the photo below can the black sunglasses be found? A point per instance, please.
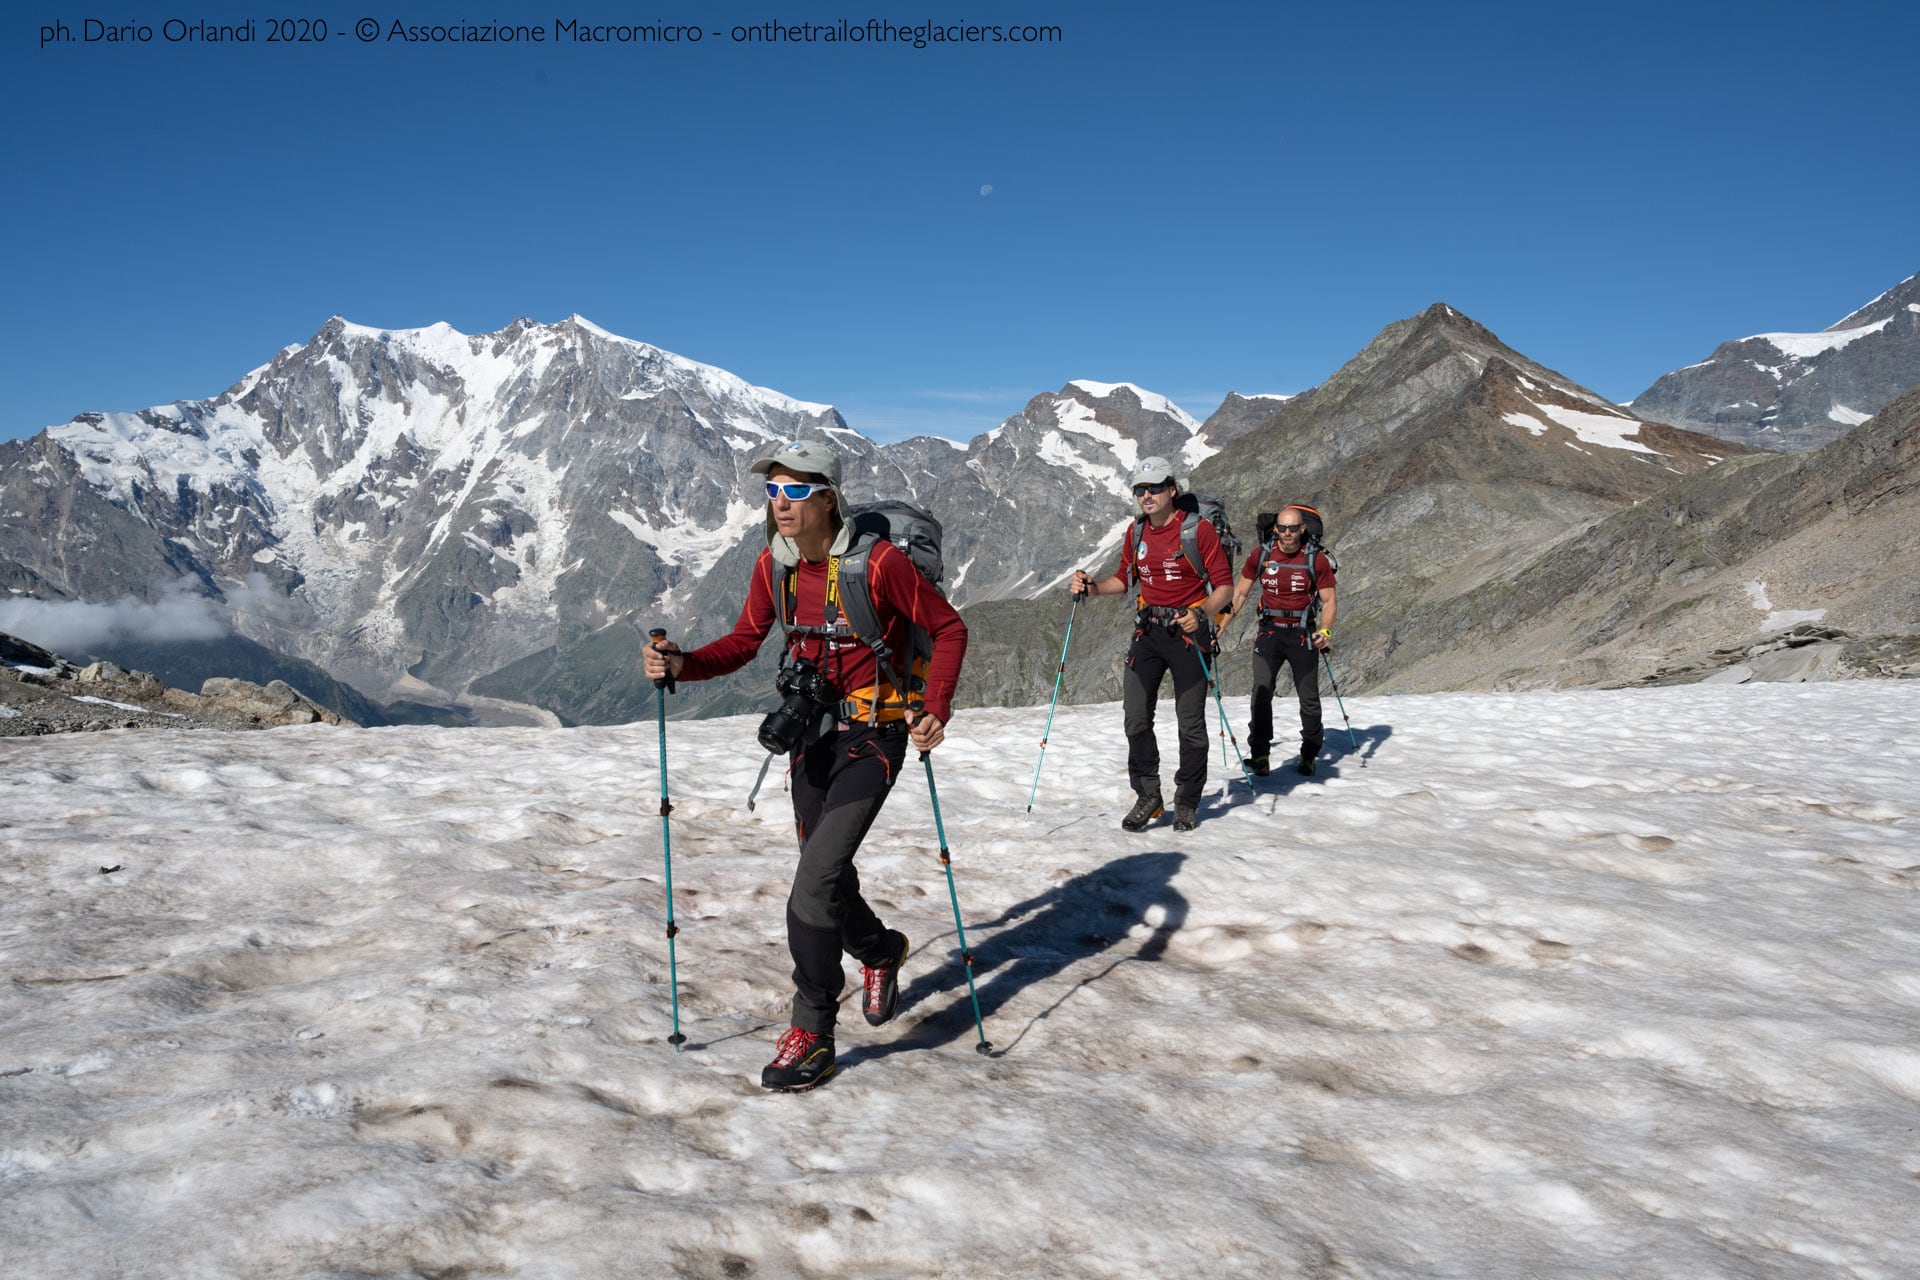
(1288, 528)
(1141, 490)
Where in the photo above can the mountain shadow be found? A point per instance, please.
(1073, 921)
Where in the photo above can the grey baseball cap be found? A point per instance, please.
(1151, 471)
(803, 458)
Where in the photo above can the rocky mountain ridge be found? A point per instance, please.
(490, 519)
(1798, 391)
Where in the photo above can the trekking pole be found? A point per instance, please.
(1225, 728)
(1220, 646)
(1327, 657)
(663, 687)
(1057, 677)
(946, 860)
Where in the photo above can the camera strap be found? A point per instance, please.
(762, 777)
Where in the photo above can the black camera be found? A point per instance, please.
(806, 699)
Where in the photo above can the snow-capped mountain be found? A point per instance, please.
(418, 509)
(1798, 391)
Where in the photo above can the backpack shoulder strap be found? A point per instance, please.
(1308, 560)
(1138, 537)
(863, 617)
(1190, 546)
(856, 595)
(785, 603)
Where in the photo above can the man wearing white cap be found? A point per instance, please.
(849, 736)
(1179, 577)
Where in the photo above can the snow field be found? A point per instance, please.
(1529, 984)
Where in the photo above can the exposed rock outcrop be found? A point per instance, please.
(41, 692)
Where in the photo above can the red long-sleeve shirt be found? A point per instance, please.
(1166, 579)
(902, 598)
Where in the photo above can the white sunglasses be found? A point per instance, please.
(794, 492)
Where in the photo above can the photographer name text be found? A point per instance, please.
(558, 31)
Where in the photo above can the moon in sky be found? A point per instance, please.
(987, 190)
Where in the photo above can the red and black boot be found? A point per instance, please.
(882, 981)
(801, 1060)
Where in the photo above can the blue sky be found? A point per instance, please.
(1237, 199)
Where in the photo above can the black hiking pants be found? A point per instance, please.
(1157, 649)
(839, 784)
(1277, 647)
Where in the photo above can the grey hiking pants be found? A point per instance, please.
(1156, 650)
(839, 784)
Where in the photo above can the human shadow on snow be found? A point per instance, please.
(1335, 751)
(1075, 920)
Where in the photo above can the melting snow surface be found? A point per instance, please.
(1608, 430)
(1616, 982)
(1847, 417)
(1779, 619)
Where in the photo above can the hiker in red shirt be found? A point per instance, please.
(1179, 577)
(847, 723)
(1296, 583)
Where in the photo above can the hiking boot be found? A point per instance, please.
(1144, 810)
(882, 981)
(1258, 764)
(1185, 817)
(1306, 765)
(800, 1061)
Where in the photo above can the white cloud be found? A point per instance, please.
(69, 627)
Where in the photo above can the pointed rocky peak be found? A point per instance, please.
(516, 330)
(1126, 398)
(1443, 318)
(1414, 365)
(1903, 297)
(1238, 414)
(1119, 422)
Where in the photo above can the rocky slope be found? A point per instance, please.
(1709, 572)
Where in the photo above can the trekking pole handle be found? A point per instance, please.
(658, 637)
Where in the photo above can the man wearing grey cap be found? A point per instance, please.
(849, 738)
(1176, 592)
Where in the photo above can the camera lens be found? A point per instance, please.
(781, 731)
